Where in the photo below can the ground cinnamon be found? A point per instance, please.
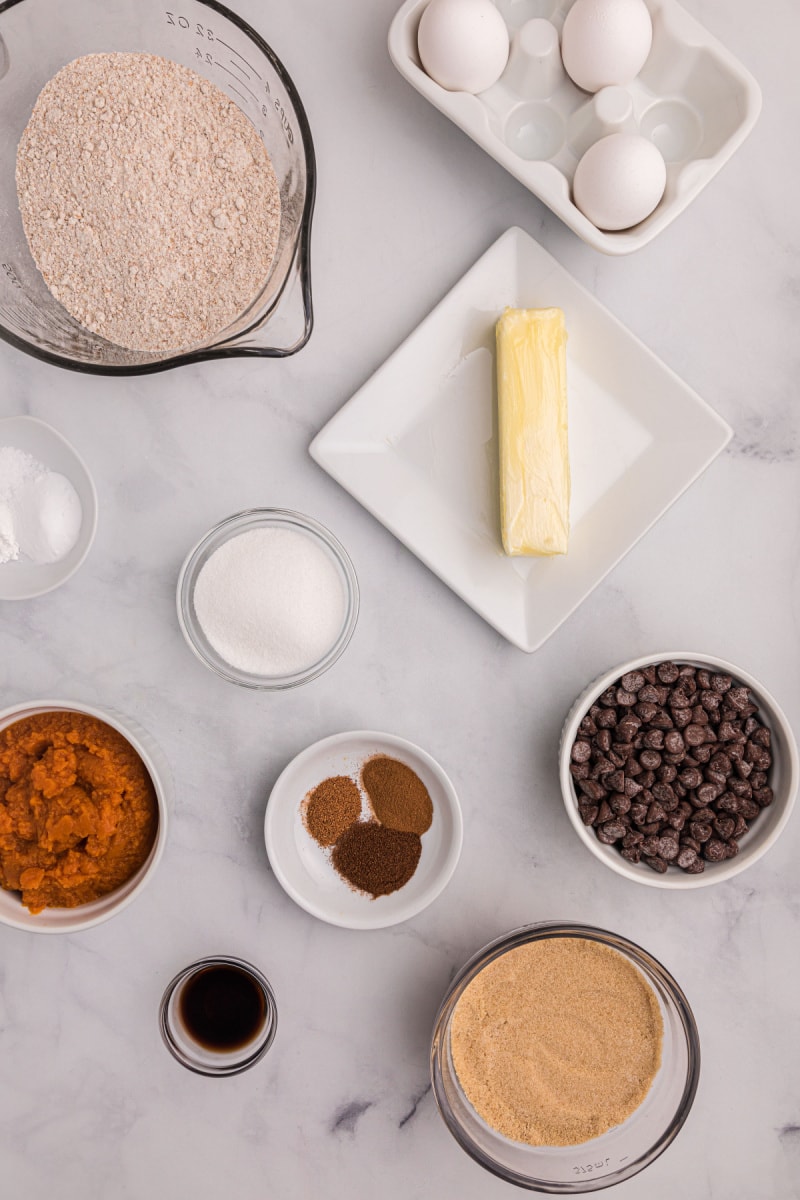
(375, 859)
(398, 796)
(330, 808)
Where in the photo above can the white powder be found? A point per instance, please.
(40, 511)
(270, 601)
(9, 546)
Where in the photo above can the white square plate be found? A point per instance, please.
(417, 445)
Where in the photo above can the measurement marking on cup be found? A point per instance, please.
(217, 63)
(241, 97)
(234, 63)
(238, 55)
(11, 274)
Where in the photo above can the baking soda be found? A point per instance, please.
(270, 602)
(40, 512)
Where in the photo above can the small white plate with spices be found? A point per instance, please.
(304, 869)
(23, 579)
(417, 445)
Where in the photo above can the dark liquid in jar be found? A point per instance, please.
(222, 1008)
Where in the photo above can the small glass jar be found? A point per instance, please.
(188, 1050)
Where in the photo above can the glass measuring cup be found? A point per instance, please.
(37, 38)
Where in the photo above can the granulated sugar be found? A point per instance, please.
(270, 601)
(557, 1041)
(149, 202)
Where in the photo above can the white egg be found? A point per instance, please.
(619, 181)
(605, 43)
(463, 44)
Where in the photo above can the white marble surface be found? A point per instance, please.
(90, 1103)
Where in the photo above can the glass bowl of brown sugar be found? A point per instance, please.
(564, 1059)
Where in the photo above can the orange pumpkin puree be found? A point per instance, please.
(78, 811)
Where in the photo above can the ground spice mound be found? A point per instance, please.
(557, 1041)
(375, 859)
(398, 796)
(330, 808)
(149, 202)
(78, 811)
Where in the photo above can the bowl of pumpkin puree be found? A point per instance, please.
(83, 815)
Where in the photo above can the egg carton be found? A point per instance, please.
(692, 99)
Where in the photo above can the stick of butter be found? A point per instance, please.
(532, 419)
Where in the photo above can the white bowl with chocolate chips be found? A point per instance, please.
(678, 770)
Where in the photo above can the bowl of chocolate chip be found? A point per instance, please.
(678, 770)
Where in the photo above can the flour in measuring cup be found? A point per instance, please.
(150, 204)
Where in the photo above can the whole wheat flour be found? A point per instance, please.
(149, 202)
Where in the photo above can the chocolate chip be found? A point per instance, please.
(626, 699)
(714, 850)
(686, 857)
(588, 813)
(657, 864)
(592, 789)
(602, 740)
(612, 831)
(604, 813)
(667, 672)
(724, 827)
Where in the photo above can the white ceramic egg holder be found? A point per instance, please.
(692, 99)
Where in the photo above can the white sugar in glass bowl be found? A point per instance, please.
(246, 522)
(71, 920)
(766, 828)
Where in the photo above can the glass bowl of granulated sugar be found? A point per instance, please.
(157, 187)
(565, 1059)
(268, 599)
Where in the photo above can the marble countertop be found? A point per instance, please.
(90, 1102)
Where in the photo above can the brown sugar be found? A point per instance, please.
(78, 811)
(330, 808)
(557, 1041)
(398, 796)
(376, 860)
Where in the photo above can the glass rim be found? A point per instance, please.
(654, 971)
(261, 1044)
(255, 517)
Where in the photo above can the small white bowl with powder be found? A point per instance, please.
(48, 509)
(268, 599)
